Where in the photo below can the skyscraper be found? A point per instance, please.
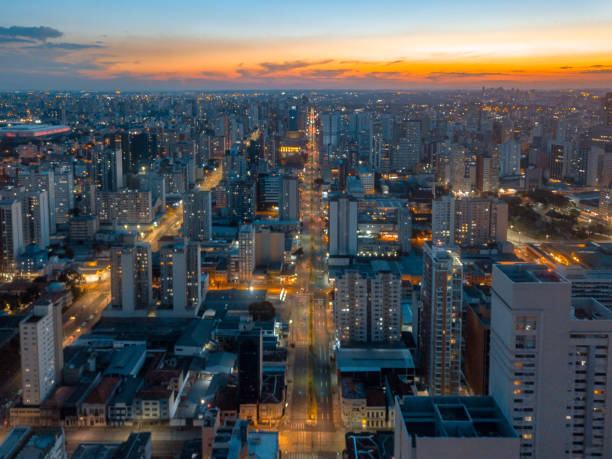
(181, 278)
(342, 226)
(607, 105)
(510, 164)
(131, 279)
(197, 215)
(441, 302)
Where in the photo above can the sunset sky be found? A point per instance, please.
(136, 44)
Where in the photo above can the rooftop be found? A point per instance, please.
(449, 416)
(529, 273)
(364, 359)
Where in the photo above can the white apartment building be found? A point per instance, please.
(40, 337)
(11, 235)
(367, 303)
(549, 363)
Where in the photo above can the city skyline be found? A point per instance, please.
(395, 45)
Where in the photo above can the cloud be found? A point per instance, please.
(68, 46)
(291, 65)
(40, 33)
(566, 67)
(439, 75)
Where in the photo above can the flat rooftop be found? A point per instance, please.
(450, 416)
(589, 309)
(529, 273)
(364, 359)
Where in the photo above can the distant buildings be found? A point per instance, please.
(246, 252)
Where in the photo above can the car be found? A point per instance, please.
(72, 317)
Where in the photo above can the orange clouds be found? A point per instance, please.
(552, 56)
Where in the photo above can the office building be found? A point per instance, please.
(41, 347)
(468, 222)
(197, 215)
(289, 200)
(459, 427)
(367, 303)
(246, 253)
(131, 279)
(550, 363)
(342, 226)
(181, 278)
(109, 169)
(250, 377)
(441, 319)
(241, 199)
(11, 235)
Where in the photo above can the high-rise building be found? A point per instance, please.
(292, 124)
(486, 174)
(36, 218)
(64, 194)
(367, 303)
(289, 202)
(241, 199)
(409, 149)
(556, 162)
(404, 229)
(131, 279)
(197, 215)
(441, 324)
(550, 360)
(510, 162)
(181, 277)
(42, 181)
(468, 221)
(342, 226)
(246, 253)
(41, 346)
(250, 367)
(11, 235)
(109, 169)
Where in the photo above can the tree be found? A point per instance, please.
(262, 310)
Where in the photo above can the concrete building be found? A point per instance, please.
(35, 213)
(246, 252)
(64, 194)
(458, 427)
(550, 363)
(197, 215)
(510, 162)
(367, 303)
(131, 279)
(41, 341)
(342, 226)
(11, 235)
(589, 283)
(181, 278)
(468, 222)
(441, 319)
